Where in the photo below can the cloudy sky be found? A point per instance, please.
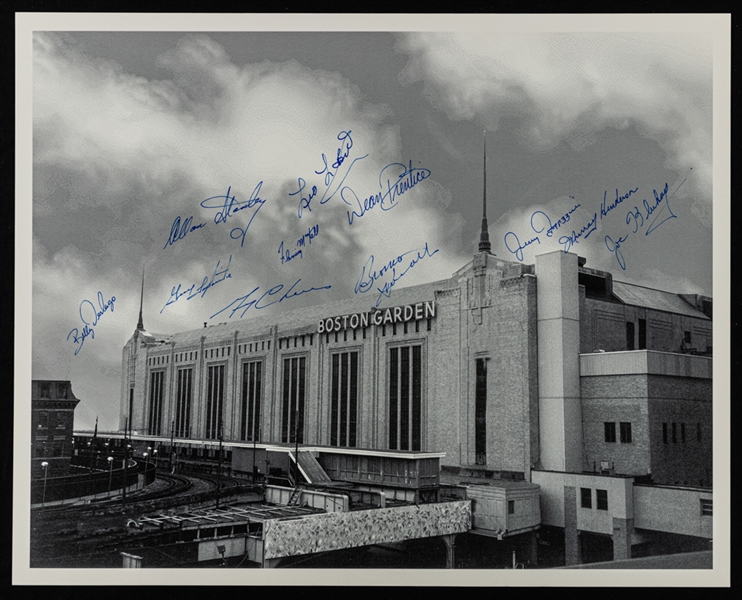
(141, 140)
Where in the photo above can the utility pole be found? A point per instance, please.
(296, 452)
(92, 446)
(172, 443)
(255, 430)
(219, 468)
(127, 425)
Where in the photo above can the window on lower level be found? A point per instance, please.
(601, 497)
(629, 336)
(707, 507)
(586, 498)
(625, 433)
(610, 432)
(642, 334)
(511, 507)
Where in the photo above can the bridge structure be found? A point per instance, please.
(267, 533)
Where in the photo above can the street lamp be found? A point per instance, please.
(44, 466)
(154, 452)
(145, 461)
(110, 474)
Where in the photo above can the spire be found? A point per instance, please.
(140, 324)
(484, 237)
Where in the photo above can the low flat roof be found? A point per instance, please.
(233, 515)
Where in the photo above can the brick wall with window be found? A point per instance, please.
(616, 427)
(681, 432)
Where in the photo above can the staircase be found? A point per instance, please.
(311, 470)
(295, 496)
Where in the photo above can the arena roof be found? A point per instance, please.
(638, 295)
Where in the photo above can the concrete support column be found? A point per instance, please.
(622, 533)
(560, 405)
(450, 542)
(572, 542)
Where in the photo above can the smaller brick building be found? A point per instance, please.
(52, 418)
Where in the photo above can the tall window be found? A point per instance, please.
(405, 398)
(642, 334)
(601, 498)
(586, 498)
(480, 413)
(625, 433)
(610, 431)
(214, 401)
(251, 390)
(183, 403)
(629, 336)
(344, 399)
(292, 423)
(155, 402)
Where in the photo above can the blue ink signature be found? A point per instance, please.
(219, 275)
(244, 303)
(97, 312)
(512, 238)
(567, 241)
(513, 244)
(660, 206)
(369, 276)
(549, 226)
(178, 231)
(330, 173)
(606, 208)
(287, 255)
(396, 185)
(229, 205)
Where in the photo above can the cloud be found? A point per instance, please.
(567, 87)
(117, 157)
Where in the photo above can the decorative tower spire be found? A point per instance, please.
(484, 237)
(140, 324)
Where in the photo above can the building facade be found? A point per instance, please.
(504, 367)
(52, 419)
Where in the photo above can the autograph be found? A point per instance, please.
(287, 255)
(542, 223)
(226, 207)
(330, 173)
(407, 178)
(370, 276)
(567, 241)
(662, 212)
(264, 300)
(178, 231)
(217, 276)
(89, 315)
(538, 218)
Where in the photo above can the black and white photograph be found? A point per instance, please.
(319, 295)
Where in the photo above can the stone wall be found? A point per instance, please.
(334, 531)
